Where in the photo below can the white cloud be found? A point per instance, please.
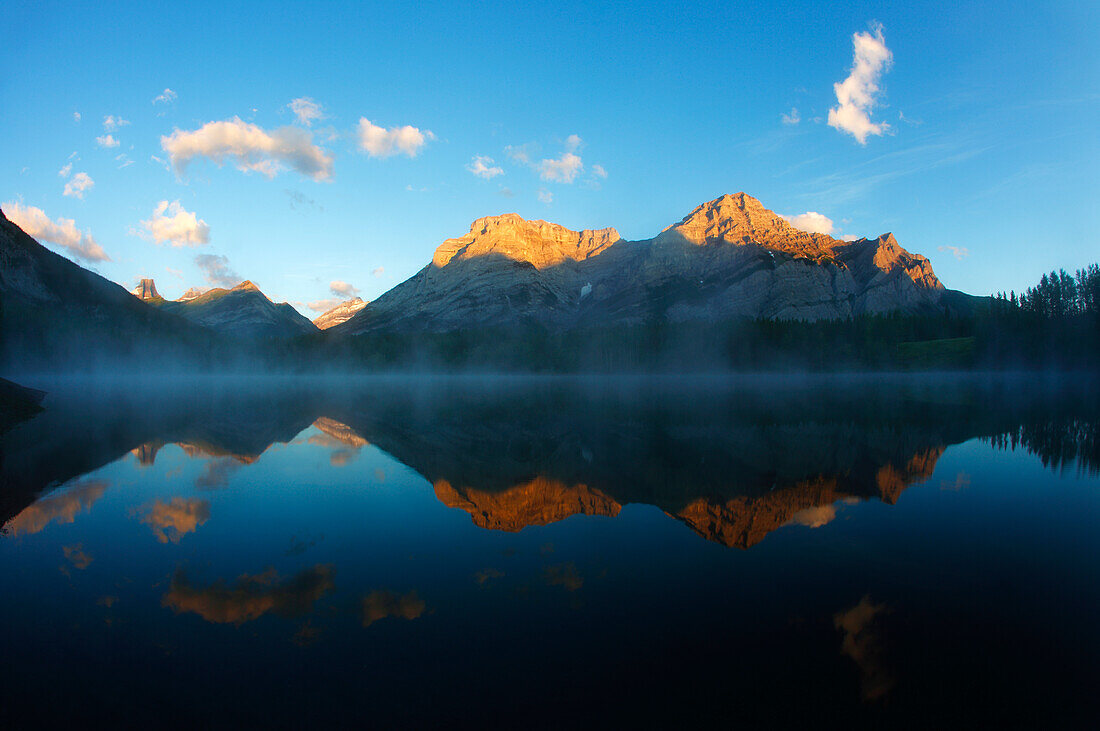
(342, 289)
(62, 232)
(216, 270)
(856, 95)
(793, 118)
(573, 143)
(306, 110)
(106, 141)
(959, 252)
(849, 237)
(251, 147)
(64, 172)
(562, 170)
(522, 154)
(124, 159)
(380, 142)
(811, 222)
(165, 97)
(483, 167)
(323, 305)
(378, 271)
(598, 171)
(77, 185)
(172, 224)
(545, 196)
(76, 116)
(111, 123)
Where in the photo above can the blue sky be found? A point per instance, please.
(991, 143)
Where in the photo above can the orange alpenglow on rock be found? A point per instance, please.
(146, 290)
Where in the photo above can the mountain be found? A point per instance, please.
(339, 314)
(242, 311)
(146, 290)
(729, 258)
(56, 313)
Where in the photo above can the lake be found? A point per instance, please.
(536, 552)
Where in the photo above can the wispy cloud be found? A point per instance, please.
(545, 196)
(792, 118)
(62, 232)
(959, 252)
(483, 167)
(381, 142)
(77, 184)
(106, 141)
(111, 123)
(251, 147)
(215, 268)
(857, 95)
(306, 110)
(171, 223)
(165, 97)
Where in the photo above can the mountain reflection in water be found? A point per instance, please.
(732, 463)
(529, 552)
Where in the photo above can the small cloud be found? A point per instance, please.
(76, 556)
(77, 185)
(64, 171)
(124, 159)
(379, 605)
(564, 575)
(380, 142)
(56, 508)
(483, 576)
(863, 643)
(857, 94)
(306, 110)
(62, 232)
(165, 97)
(251, 596)
(111, 123)
(792, 118)
(342, 289)
(561, 170)
(599, 171)
(215, 269)
(301, 200)
(483, 167)
(815, 517)
(811, 222)
(171, 521)
(506, 192)
(159, 161)
(522, 154)
(959, 252)
(545, 196)
(106, 141)
(251, 147)
(849, 237)
(76, 116)
(378, 272)
(171, 223)
(323, 305)
(174, 272)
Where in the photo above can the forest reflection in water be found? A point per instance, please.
(465, 526)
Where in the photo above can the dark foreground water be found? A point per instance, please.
(915, 552)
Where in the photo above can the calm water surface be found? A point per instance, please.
(549, 552)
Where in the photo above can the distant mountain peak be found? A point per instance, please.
(145, 290)
(340, 313)
(537, 242)
(191, 294)
(246, 285)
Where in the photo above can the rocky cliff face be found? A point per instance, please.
(146, 290)
(339, 314)
(731, 257)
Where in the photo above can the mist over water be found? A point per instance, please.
(524, 550)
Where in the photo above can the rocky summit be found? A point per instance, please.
(728, 258)
(339, 314)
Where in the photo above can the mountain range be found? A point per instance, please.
(728, 259)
